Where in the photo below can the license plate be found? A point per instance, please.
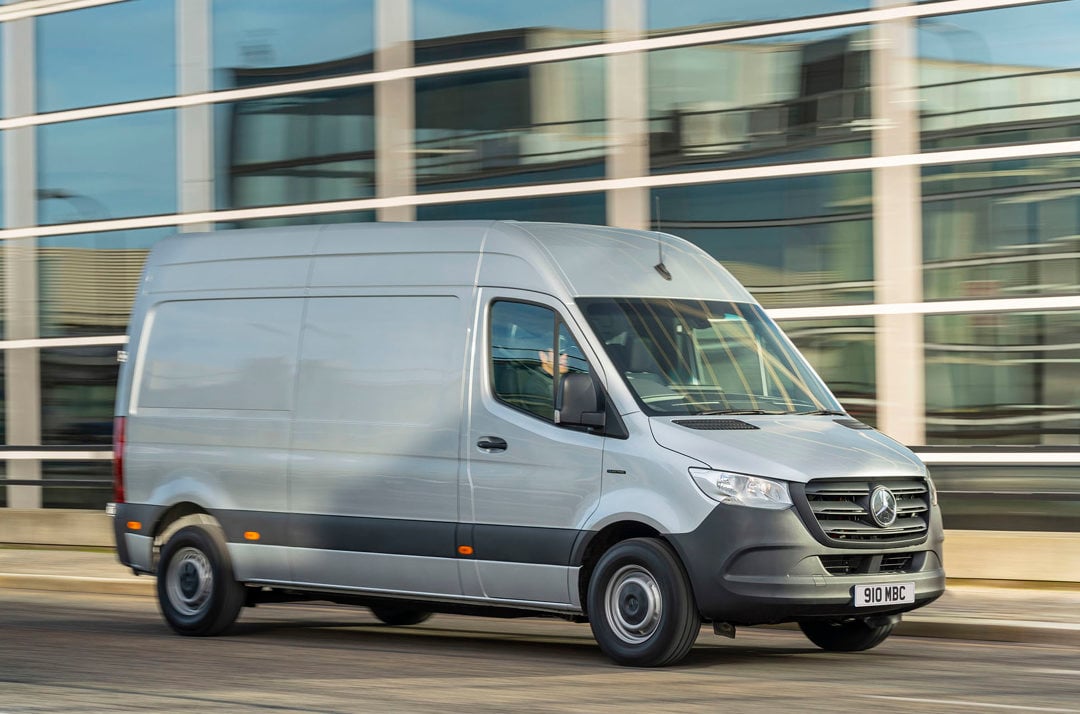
(879, 594)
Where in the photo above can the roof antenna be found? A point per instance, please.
(660, 267)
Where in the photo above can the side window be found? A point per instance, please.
(530, 350)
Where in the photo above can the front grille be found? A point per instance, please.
(868, 564)
(841, 509)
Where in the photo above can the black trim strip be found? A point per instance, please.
(434, 539)
(393, 536)
(523, 544)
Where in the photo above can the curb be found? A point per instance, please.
(79, 584)
(989, 630)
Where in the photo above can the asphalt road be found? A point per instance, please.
(62, 652)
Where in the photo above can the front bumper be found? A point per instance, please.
(752, 566)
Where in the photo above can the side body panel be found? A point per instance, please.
(374, 460)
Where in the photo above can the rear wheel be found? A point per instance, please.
(398, 616)
(195, 587)
(641, 608)
(853, 635)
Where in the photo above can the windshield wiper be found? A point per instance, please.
(714, 412)
(821, 412)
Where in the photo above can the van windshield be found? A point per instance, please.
(705, 357)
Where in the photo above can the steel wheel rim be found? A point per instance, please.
(633, 604)
(189, 581)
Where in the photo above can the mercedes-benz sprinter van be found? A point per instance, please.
(501, 418)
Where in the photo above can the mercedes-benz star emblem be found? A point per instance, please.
(883, 507)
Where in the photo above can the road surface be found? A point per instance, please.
(63, 652)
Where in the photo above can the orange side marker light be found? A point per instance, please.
(134, 526)
(251, 535)
(465, 549)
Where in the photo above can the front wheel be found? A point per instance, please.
(641, 608)
(853, 635)
(195, 587)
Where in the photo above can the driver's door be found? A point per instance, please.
(530, 483)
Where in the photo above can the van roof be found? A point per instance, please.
(567, 260)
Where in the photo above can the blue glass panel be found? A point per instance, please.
(1, 100)
(801, 241)
(2, 202)
(843, 352)
(1000, 76)
(448, 30)
(798, 98)
(93, 492)
(994, 497)
(576, 208)
(298, 148)
(87, 282)
(691, 15)
(1003, 378)
(1001, 229)
(517, 125)
(107, 168)
(78, 390)
(113, 53)
(271, 41)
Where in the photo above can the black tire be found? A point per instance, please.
(853, 635)
(398, 616)
(196, 591)
(641, 608)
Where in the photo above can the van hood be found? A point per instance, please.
(788, 447)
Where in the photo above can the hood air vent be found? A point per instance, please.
(714, 424)
(853, 424)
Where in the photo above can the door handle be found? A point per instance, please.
(491, 443)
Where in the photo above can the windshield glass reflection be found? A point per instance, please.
(705, 357)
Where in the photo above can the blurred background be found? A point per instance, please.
(897, 182)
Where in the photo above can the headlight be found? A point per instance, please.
(933, 489)
(741, 490)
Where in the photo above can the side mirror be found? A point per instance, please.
(578, 401)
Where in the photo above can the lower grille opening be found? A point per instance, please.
(896, 563)
(868, 564)
(842, 564)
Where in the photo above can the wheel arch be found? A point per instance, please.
(589, 550)
(175, 517)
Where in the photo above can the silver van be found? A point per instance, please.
(501, 418)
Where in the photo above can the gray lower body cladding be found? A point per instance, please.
(754, 566)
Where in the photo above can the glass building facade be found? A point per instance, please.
(897, 182)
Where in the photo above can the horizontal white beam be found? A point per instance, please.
(1063, 458)
(47, 342)
(29, 455)
(33, 8)
(949, 307)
